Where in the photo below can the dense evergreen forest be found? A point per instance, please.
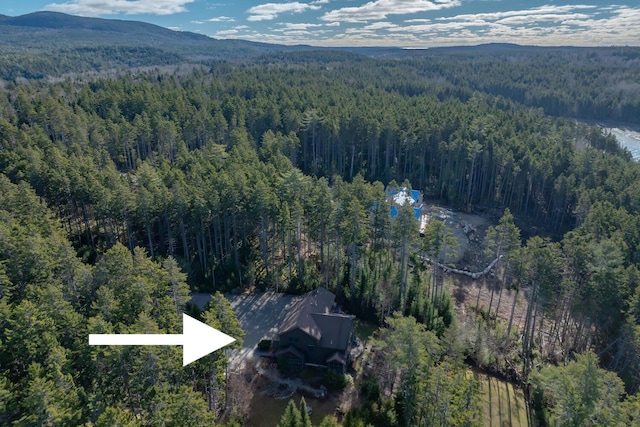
(118, 195)
(589, 83)
(598, 83)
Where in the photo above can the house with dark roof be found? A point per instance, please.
(313, 333)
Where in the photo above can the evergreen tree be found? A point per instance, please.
(291, 416)
(580, 393)
(304, 414)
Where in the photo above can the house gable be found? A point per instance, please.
(299, 339)
(291, 357)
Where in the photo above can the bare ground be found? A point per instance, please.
(469, 231)
(468, 294)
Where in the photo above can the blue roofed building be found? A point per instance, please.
(400, 196)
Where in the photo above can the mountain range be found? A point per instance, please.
(51, 44)
(51, 30)
(31, 45)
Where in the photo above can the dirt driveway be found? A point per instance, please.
(260, 315)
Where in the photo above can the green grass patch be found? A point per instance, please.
(364, 330)
(504, 404)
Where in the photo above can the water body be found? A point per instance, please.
(627, 135)
(629, 139)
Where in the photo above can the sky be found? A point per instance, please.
(403, 23)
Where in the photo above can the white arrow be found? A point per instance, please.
(197, 339)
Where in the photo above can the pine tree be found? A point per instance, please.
(580, 393)
(182, 407)
(502, 241)
(117, 417)
(304, 414)
(405, 233)
(291, 416)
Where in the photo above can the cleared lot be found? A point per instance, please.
(260, 315)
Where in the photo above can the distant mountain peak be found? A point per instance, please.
(57, 20)
(69, 43)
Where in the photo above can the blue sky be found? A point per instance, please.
(406, 23)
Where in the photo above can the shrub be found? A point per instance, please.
(370, 390)
(335, 381)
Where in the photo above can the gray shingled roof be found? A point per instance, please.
(336, 330)
(299, 316)
(312, 314)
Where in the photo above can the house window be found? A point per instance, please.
(337, 367)
(311, 347)
(293, 339)
(293, 362)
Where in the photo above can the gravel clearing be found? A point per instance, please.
(468, 229)
(260, 315)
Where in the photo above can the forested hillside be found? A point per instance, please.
(120, 194)
(32, 45)
(588, 83)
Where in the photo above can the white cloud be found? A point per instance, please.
(301, 30)
(298, 33)
(224, 33)
(269, 11)
(550, 25)
(439, 27)
(500, 25)
(298, 25)
(304, 37)
(112, 7)
(360, 31)
(221, 19)
(380, 9)
(380, 25)
(197, 22)
(237, 31)
(493, 16)
(320, 1)
(549, 17)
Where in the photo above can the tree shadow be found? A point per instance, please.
(460, 294)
